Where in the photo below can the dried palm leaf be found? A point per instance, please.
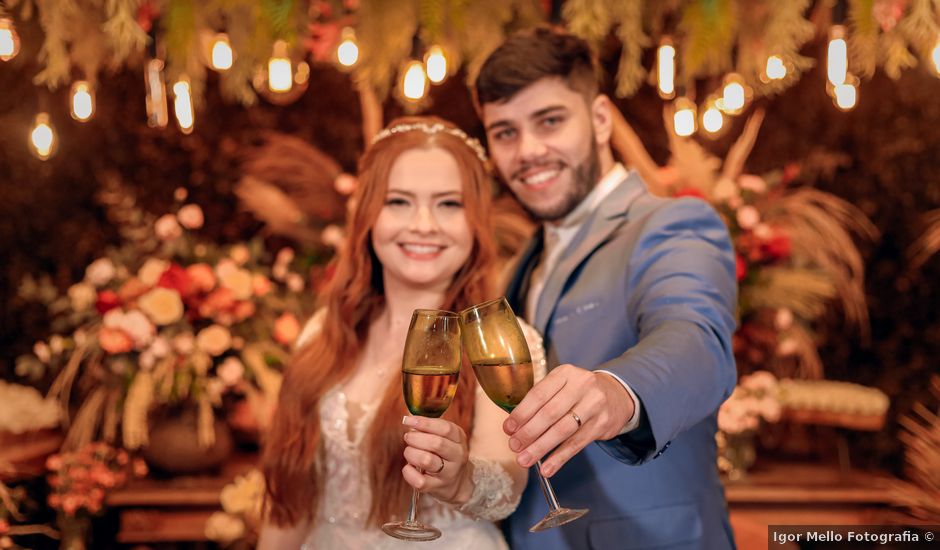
(927, 244)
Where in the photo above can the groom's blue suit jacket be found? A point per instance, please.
(646, 290)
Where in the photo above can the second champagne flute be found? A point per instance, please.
(499, 353)
(430, 368)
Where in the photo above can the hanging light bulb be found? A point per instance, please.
(775, 70)
(280, 77)
(222, 56)
(157, 114)
(837, 60)
(712, 119)
(436, 64)
(666, 69)
(42, 137)
(183, 105)
(935, 56)
(414, 81)
(83, 100)
(845, 95)
(684, 117)
(348, 51)
(9, 40)
(733, 94)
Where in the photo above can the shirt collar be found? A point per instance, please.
(604, 187)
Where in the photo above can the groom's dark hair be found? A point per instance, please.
(531, 55)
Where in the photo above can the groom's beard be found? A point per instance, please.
(584, 177)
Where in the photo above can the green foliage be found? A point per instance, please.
(863, 40)
(709, 28)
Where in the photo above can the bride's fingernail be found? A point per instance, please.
(409, 421)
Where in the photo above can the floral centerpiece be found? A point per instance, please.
(754, 400)
(166, 319)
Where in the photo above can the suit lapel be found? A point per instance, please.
(518, 287)
(610, 215)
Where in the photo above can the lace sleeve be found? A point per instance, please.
(493, 496)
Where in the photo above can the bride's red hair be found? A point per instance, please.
(292, 458)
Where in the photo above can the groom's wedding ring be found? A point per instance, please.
(441, 469)
(575, 416)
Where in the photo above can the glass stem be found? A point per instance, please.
(546, 488)
(412, 510)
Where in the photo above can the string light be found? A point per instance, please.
(776, 70)
(733, 95)
(845, 95)
(666, 69)
(414, 81)
(157, 115)
(42, 137)
(837, 60)
(280, 78)
(9, 40)
(684, 117)
(712, 119)
(183, 105)
(348, 51)
(222, 56)
(83, 100)
(436, 64)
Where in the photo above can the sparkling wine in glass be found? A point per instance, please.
(430, 369)
(498, 351)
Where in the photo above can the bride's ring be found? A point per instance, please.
(439, 470)
(575, 416)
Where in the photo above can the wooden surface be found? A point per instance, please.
(176, 509)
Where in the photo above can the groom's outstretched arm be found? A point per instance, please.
(682, 288)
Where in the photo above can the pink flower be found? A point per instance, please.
(132, 289)
(332, 236)
(138, 327)
(753, 183)
(345, 184)
(240, 254)
(231, 371)
(748, 217)
(244, 310)
(260, 284)
(286, 329)
(190, 216)
(295, 282)
(214, 340)
(114, 340)
(783, 319)
(284, 256)
(202, 277)
(41, 350)
(167, 228)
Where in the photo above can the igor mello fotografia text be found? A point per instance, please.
(830, 535)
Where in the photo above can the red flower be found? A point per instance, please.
(176, 278)
(777, 247)
(740, 267)
(107, 300)
(790, 172)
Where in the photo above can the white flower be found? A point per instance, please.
(151, 271)
(284, 256)
(787, 346)
(224, 527)
(190, 216)
(160, 347)
(113, 318)
(748, 216)
(56, 344)
(724, 190)
(184, 343)
(239, 282)
(345, 184)
(163, 305)
(82, 296)
(762, 231)
(224, 267)
(167, 228)
(146, 361)
(214, 340)
(100, 272)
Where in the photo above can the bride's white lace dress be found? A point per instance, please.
(346, 499)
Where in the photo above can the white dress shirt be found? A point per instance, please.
(557, 238)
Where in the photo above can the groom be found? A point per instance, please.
(635, 296)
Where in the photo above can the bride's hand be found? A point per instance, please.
(437, 456)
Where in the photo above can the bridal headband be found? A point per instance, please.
(431, 129)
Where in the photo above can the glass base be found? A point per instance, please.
(412, 530)
(556, 518)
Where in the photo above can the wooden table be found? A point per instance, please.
(176, 509)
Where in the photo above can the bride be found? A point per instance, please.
(337, 461)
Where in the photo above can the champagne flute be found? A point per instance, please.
(498, 351)
(430, 369)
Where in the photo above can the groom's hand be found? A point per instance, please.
(548, 416)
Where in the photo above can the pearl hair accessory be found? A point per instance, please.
(431, 129)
